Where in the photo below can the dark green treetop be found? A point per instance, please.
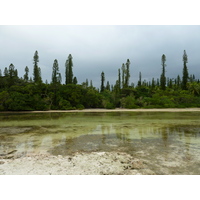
(185, 71)
(11, 70)
(36, 70)
(127, 73)
(102, 81)
(56, 76)
(123, 75)
(140, 79)
(26, 74)
(163, 77)
(69, 70)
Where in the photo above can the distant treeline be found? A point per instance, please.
(26, 93)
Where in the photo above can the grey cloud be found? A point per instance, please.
(101, 48)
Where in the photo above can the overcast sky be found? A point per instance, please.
(101, 48)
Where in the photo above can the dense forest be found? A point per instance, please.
(27, 93)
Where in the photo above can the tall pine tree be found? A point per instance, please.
(108, 86)
(56, 76)
(127, 73)
(119, 80)
(163, 77)
(75, 80)
(26, 74)
(6, 74)
(140, 79)
(69, 70)
(102, 81)
(123, 75)
(36, 70)
(11, 70)
(185, 71)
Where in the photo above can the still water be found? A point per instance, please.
(170, 140)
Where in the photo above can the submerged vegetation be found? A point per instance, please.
(25, 93)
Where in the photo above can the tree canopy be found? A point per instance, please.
(27, 93)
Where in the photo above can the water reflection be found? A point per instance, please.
(61, 133)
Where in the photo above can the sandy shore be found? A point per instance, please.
(133, 110)
(113, 110)
(95, 163)
(100, 163)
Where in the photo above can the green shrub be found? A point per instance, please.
(80, 107)
(110, 106)
(128, 102)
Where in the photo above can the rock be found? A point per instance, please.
(5, 154)
(2, 162)
(69, 159)
(147, 172)
(137, 164)
(11, 152)
(9, 157)
(100, 153)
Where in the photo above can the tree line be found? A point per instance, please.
(27, 93)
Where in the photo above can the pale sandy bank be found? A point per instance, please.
(99, 163)
(95, 163)
(131, 110)
(114, 110)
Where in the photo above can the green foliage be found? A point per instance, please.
(127, 73)
(128, 102)
(142, 91)
(194, 88)
(36, 70)
(185, 71)
(17, 94)
(140, 79)
(26, 74)
(102, 81)
(64, 105)
(69, 70)
(110, 105)
(4, 96)
(75, 80)
(107, 99)
(17, 102)
(162, 77)
(80, 107)
(56, 76)
(92, 99)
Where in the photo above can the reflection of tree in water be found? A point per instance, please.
(164, 134)
(184, 135)
(104, 130)
(184, 132)
(103, 138)
(122, 133)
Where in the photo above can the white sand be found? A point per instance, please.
(95, 163)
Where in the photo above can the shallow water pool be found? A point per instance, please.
(167, 142)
